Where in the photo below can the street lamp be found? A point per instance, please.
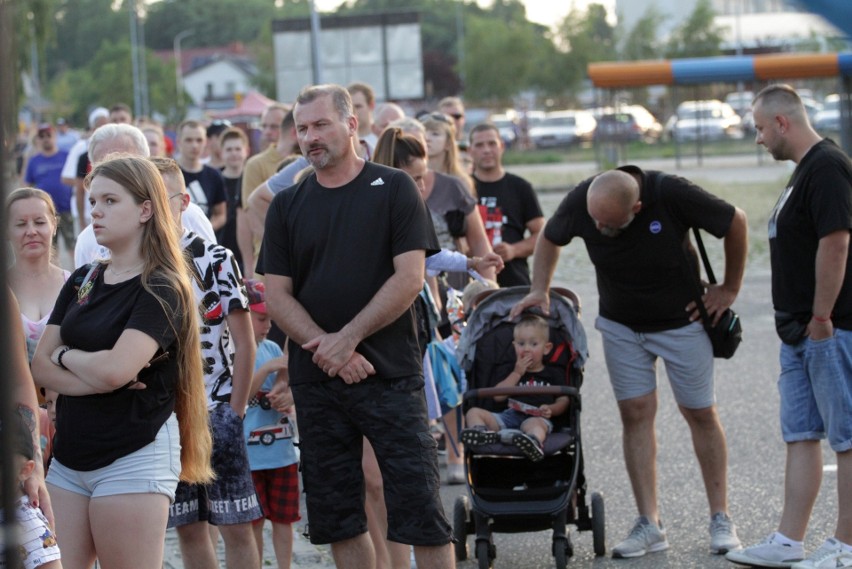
(178, 65)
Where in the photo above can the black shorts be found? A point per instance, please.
(333, 417)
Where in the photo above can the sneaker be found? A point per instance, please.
(455, 474)
(829, 555)
(478, 436)
(723, 534)
(769, 553)
(528, 445)
(645, 537)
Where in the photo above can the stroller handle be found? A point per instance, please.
(556, 390)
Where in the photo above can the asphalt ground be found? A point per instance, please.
(748, 404)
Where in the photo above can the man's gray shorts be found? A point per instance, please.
(631, 359)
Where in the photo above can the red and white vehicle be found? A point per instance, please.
(267, 435)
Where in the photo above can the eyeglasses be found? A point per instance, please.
(179, 194)
(457, 116)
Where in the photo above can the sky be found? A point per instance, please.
(547, 12)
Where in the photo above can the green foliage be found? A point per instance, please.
(698, 36)
(503, 57)
(106, 79)
(586, 38)
(641, 42)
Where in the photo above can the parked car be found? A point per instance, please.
(628, 124)
(507, 127)
(563, 128)
(740, 101)
(706, 120)
(828, 119)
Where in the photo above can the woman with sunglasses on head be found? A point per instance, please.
(121, 349)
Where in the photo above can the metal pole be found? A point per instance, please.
(8, 136)
(134, 58)
(179, 67)
(315, 44)
(143, 69)
(460, 40)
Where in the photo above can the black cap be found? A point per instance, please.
(217, 127)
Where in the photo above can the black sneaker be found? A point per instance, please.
(477, 436)
(528, 445)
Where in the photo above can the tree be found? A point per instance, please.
(641, 42)
(698, 35)
(106, 79)
(584, 38)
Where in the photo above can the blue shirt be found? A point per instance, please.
(266, 430)
(45, 173)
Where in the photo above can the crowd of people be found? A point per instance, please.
(217, 312)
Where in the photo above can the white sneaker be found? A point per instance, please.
(723, 534)
(768, 553)
(830, 555)
(645, 537)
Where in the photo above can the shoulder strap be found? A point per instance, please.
(86, 285)
(658, 179)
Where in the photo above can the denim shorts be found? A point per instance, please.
(333, 420)
(816, 390)
(153, 469)
(511, 419)
(631, 360)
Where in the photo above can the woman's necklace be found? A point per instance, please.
(124, 272)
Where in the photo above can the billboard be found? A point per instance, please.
(381, 49)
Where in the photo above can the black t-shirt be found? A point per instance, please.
(512, 202)
(84, 165)
(338, 245)
(206, 187)
(817, 202)
(543, 378)
(227, 235)
(92, 431)
(641, 274)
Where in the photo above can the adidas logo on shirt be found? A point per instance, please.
(377, 182)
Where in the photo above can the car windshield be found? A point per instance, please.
(832, 105)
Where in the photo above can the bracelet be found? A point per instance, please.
(822, 319)
(59, 357)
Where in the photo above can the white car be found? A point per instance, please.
(706, 120)
(563, 128)
(507, 128)
(828, 119)
(271, 433)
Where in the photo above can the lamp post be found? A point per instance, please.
(315, 43)
(178, 66)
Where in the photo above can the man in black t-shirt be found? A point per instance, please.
(508, 205)
(205, 184)
(343, 253)
(635, 227)
(812, 296)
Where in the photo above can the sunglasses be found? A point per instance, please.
(45, 135)
(457, 116)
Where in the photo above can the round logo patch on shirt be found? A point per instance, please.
(655, 227)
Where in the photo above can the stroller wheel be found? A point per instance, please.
(561, 552)
(598, 524)
(485, 554)
(461, 514)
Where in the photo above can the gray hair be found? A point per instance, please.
(111, 138)
(339, 96)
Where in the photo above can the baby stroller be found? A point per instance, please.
(507, 492)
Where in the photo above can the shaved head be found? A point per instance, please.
(612, 201)
(781, 100)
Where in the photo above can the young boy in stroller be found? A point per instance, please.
(530, 413)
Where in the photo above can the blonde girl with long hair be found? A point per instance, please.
(122, 350)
